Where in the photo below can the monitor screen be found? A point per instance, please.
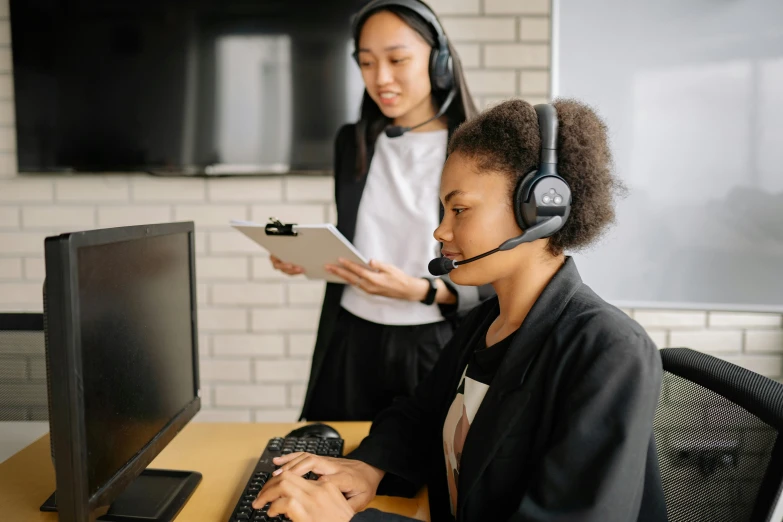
(122, 365)
(136, 345)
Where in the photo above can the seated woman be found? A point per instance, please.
(541, 407)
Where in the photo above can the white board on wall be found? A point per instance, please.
(692, 93)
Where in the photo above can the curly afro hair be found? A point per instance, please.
(506, 139)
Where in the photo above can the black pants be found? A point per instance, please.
(368, 364)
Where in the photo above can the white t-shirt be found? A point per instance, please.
(397, 216)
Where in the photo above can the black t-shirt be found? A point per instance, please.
(473, 386)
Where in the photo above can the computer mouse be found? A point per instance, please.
(316, 429)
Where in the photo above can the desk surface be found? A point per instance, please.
(225, 454)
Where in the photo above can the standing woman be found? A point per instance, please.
(381, 334)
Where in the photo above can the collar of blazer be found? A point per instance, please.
(507, 398)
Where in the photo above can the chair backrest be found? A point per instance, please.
(717, 431)
(22, 367)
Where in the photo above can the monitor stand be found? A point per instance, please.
(157, 495)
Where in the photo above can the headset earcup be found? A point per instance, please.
(519, 200)
(547, 195)
(448, 73)
(441, 70)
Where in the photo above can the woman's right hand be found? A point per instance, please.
(286, 268)
(355, 479)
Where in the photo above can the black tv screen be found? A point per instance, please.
(182, 86)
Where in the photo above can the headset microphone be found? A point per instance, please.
(443, 265)
(395, 131)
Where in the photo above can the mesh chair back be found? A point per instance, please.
(717, 432)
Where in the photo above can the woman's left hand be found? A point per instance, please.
(304, 500)
(384, 279)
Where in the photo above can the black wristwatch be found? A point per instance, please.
(430, 297)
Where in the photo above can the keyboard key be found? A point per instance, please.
(243, 511)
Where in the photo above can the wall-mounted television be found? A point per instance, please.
(182, 86)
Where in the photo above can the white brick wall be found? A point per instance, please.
(123, 215)
(26, 190)
(764, 341)
(751, 340)
(310, 292)
(249, 345)
(224, 370)
(292, 370)
(58, 217)
(220, 268)
(291, 319)
(257, 326)
(504, 47)
(257, 395)
(210, 216)
(147, 188)
(301, 345)
(301, 213)
(491, 82)
(244, 293)
(21, 243)
(534, 82)
(98, 189)
(534, 29)
(9, 218)
(10, 268)
(670, 318)
(447, 7)
(245, 190)
(319, 189)
(5, 59)
(223, 415)
(470, 54)
(710, 341)
(222, 320)
(480, 29)
(516, 6)
(516, 55)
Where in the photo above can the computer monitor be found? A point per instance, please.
(122, 368)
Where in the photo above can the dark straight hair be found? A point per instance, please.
(372, 121)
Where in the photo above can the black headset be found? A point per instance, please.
(542, 199)
(542, 194)
(441, 64)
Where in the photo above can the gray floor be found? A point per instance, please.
(15, 435)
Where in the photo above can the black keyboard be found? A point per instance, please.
(243, 511)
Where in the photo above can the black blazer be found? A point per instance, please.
(564, 432)
(347, 195)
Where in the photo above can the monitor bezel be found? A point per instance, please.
(67, 427)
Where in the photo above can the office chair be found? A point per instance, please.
(717, 431)
(22, 367)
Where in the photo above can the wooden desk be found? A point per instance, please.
(225, 454)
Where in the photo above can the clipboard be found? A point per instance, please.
(309, 246)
